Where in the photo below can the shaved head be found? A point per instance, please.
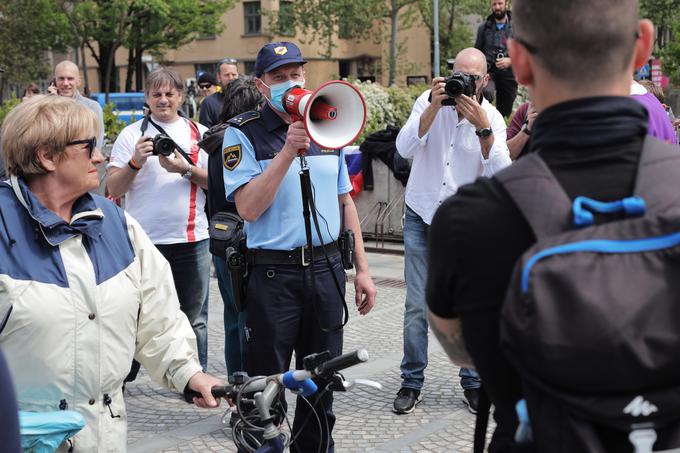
(471, 61)
(67, 78)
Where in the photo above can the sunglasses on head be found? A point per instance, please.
(204, 86)
(90, 142)
(229, 61)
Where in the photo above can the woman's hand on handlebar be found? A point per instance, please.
(203, 383)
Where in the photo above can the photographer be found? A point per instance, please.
(451, 145)
(492, 39)
(164, 193)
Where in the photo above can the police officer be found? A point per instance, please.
(285, 311)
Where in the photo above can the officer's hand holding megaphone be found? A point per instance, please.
(297, 139)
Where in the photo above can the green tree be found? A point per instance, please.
(158, 25)
(665, 14)
(104, 26)
(454, 33)
(326, 20)
(27, 29)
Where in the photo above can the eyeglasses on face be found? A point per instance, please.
(204, 86)
(90, 142)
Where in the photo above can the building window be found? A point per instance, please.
(286, 18)
(206, 67)
(249, 67)
(343, 28)
(252, 18)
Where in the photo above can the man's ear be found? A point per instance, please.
(522, 63)
(259, 84)
(644, 43)
(47, 161)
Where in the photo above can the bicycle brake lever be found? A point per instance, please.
(369, 383)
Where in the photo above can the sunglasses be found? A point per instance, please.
(229, 61)
(90, 142)
(204, 86)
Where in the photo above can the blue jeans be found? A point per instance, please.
(469, 379)
(190, 265)
(234, 322)
(414, 361)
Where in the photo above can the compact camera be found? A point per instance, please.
(163, 145)
(501, 53)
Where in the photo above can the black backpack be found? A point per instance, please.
(591, 319)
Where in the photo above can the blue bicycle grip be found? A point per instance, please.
(304, 388)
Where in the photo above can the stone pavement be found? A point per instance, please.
(159, 421)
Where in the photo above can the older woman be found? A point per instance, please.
(82, 288)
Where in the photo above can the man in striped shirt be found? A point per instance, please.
(164, 193)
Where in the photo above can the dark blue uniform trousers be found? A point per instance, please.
(281, 319)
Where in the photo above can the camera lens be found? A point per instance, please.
(163, 145)
(454, 87)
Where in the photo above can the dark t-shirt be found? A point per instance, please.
(592, 146)
(211, 109)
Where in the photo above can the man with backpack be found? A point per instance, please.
(587, 334)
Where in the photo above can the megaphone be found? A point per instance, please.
(333, 115)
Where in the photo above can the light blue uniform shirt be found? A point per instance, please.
(281, 226)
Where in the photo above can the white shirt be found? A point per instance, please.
(448, 156)
(169, 207)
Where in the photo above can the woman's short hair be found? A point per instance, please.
(161, 77)
(47, 122)
(31, 88)
(241, 96)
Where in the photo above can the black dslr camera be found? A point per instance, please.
(163, 145)
(456, 85)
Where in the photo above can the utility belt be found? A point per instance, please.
(300, 256)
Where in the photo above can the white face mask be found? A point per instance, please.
(277, 91)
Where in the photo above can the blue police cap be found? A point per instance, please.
(276, 54)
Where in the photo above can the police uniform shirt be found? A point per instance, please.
(248, 149)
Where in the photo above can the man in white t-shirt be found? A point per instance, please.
(165, 193)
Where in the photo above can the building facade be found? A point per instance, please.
(246, 28)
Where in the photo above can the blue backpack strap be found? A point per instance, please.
(538, 195)
(658, 177)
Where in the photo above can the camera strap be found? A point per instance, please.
(192, 126)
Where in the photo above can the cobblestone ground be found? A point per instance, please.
(160, 421)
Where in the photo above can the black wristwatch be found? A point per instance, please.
(525, 129)
(484, 133)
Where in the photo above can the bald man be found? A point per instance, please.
(451, 145)
(67, 78)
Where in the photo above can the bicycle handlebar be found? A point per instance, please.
(341, 362)
(291, 379)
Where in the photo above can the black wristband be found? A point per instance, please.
(133, 167)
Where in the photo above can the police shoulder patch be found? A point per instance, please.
(231, 157)
(243, 118)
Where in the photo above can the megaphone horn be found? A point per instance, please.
(334, 114)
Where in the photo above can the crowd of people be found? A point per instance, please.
(89, 291)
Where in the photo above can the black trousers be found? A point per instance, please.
(504, 84)
(280, 319)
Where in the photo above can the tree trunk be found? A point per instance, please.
(394, 24)
(130, 70)
(139, 73)
(87, 88)
(109, 72)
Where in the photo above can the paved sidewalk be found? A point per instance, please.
(160, 421)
